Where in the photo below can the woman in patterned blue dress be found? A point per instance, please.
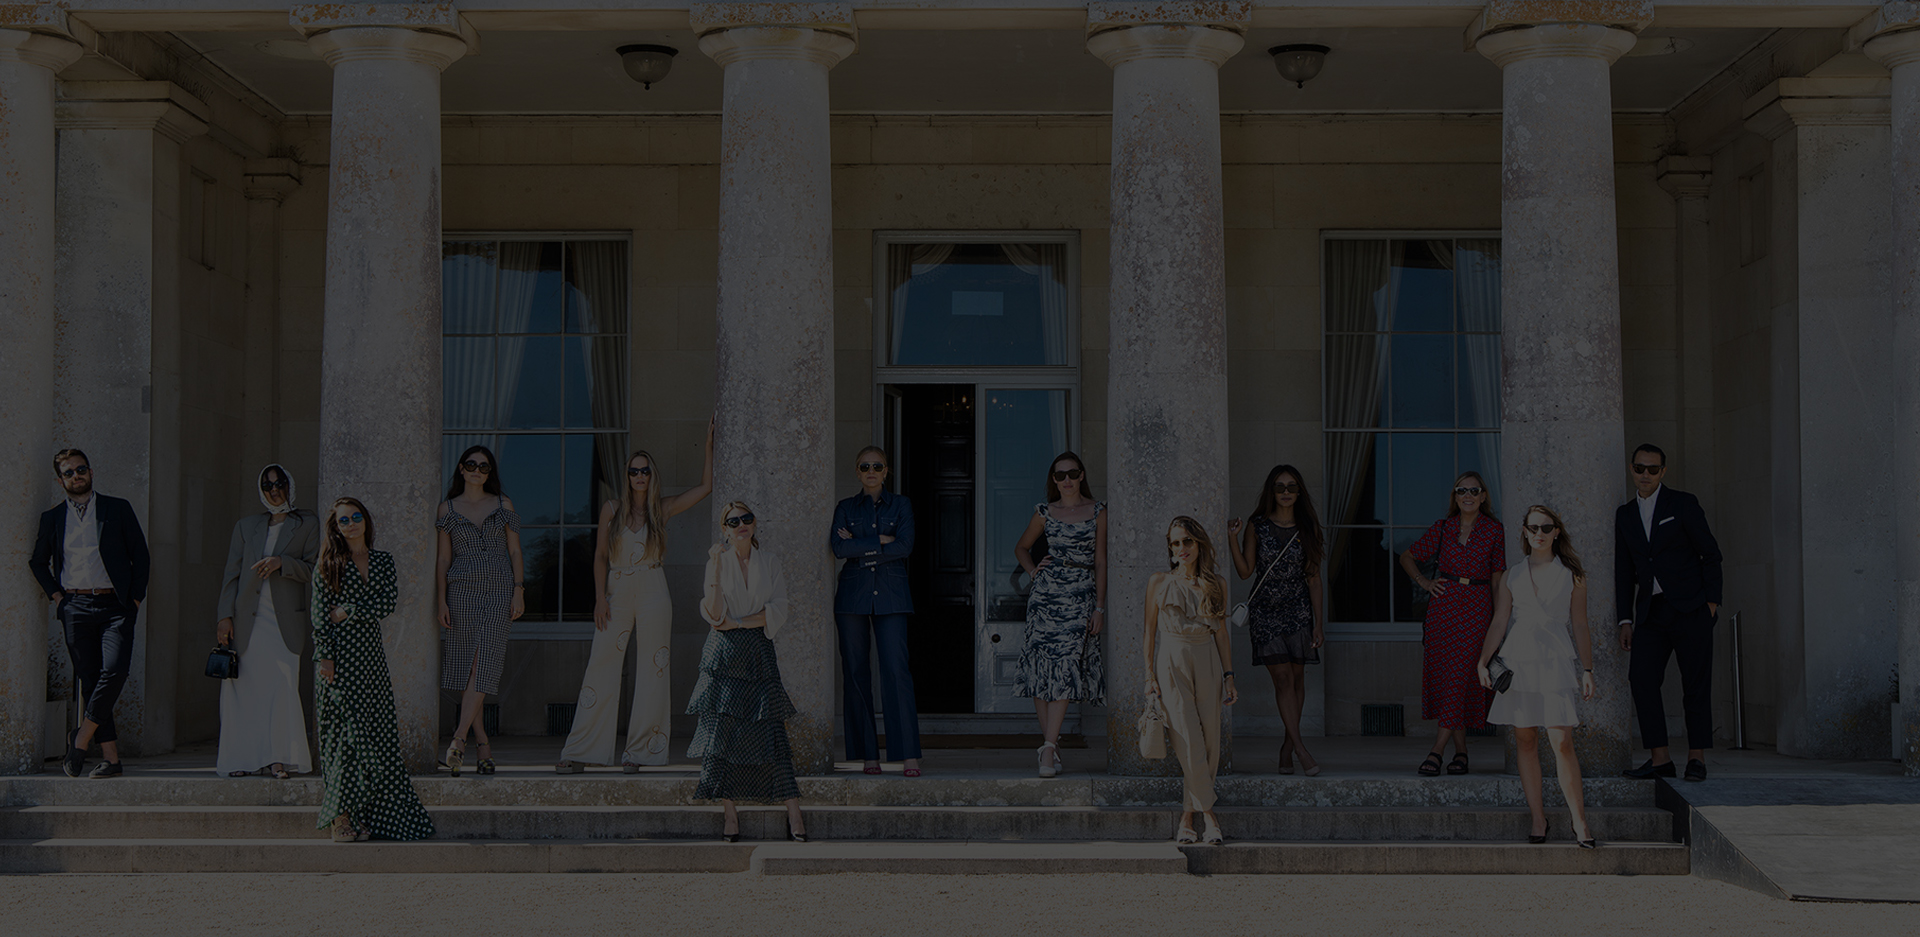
(1060, 660)
(1281, 547)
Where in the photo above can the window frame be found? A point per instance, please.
(1382, 630)
(885, 373)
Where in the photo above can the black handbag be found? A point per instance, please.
(223, 663)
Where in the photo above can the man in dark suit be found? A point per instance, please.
(1666, 581)
(91, 559)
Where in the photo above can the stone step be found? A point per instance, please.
(1074, 824)
(978, 789)
(441, 856)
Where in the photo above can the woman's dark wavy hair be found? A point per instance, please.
(334, 552)
(1312, 538)
(458, 486)
(1086, 477)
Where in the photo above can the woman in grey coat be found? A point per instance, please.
(263, 616)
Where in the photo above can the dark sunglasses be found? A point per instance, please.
(270, 485)
(348, 520)
(1182, 542)
(739, 520)
(1287, 488)
(640, 470)
(1476, 492)
(1069, 473)
(483, 468)
(872, 466)
(76, 470)
(1541, 528)
(1641, 468)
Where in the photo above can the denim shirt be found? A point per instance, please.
(874, 579)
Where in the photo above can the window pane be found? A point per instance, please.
(1480, 452)
(1356, 381)
(580, 473)
(1024, 429)
(466, 286)
(1479, 364)
(529, 286)
(1422, 383)
(1354, 490)
(576, 576)
(1422, 289)
(1422, 477)
(467, 383)
(596, 286)
(530, 388)
(979, 304)
(1358, 574)
(595, 382)
(1477, 284)
(530, 475)
(540, 550)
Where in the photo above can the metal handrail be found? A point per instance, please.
(1739, 689)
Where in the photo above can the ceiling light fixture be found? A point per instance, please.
(647, 64)
(1300, 62)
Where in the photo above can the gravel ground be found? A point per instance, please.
(775, 906)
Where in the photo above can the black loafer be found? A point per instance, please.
(76, 760)
(1696, 770)
(1651, 770)
(106, 769)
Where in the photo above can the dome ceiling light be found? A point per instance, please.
(647, 64)
(1298, 63)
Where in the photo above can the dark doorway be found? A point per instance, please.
(936, 470)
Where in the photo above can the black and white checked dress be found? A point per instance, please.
(479, 599)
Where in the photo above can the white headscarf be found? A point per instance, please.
(286, 506)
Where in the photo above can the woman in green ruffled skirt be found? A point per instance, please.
(741, 740)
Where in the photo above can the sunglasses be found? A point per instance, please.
(348, 520)
(483, 468)
(739, 520)
(639, 470)
(1288, 488)
(1473, 492)
(1069, 473)
(1641, 468)
(76, 470)
(1541, 528)
(1182, 543)
(270, 485)
(872, 466)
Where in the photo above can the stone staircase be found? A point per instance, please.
(529, 821)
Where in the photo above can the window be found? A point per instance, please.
(535, 358)
(976, 299)
(1412, 371)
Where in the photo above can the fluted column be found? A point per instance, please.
(1562, 438)
(380, 390)
(774, 400)
(1897, 46)
(1167, 355)
(28, 62)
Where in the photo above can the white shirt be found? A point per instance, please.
(81, 567)
(1646, 521)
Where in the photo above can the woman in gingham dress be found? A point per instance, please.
(366, 790)
(479, 573)
(1472, 550)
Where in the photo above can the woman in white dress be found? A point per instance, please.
(1550, 652)
(263, 617)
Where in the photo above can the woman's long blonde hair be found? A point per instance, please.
(656, 516)
(1213, 586)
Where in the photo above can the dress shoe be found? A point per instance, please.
(1696, 770)
(106, 769)
(76, 759)
(1651, 770)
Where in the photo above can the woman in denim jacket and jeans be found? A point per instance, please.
(873, 532)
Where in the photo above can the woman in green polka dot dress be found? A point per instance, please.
(368, 792)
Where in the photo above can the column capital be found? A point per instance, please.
(821, 33)
(273, 179)
(1826, 101)
(421, 32)
(1602, 41)
(1891, 36)
(1125, 30)
(1506, 15)
(1686, 176)
(45, 49)
(1232, 15)
(160, 106)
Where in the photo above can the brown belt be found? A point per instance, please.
(108, 591)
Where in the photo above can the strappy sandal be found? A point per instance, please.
(569, 767)
(1459, 764)
(1213, 837)
(1186, 836)
(455, 750)
(1049, 770)
(486, 765)
(1431, 767)
(870, 769)
(280, 772)
(342, 829)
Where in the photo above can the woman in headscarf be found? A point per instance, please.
(263, 617)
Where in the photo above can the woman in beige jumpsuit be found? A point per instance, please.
(1191, 664)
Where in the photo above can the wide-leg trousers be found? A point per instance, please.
(641, 614)
(1188, 668)
(889, 633)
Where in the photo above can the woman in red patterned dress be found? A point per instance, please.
(1472, 551)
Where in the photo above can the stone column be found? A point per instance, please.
(380, 372)
(774, 445)
(1167, 355)
(1561, 433)
(1832, 440)
(117, 355)
(1897, 46)
(269, 182)
(28, 62)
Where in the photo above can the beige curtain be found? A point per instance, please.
(1476, 278)
(904, 262)
(597, 271)
(519, 283)
(468, 272)
(1359, 290)
(1048, 262)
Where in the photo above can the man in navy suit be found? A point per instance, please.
(1666, 581)
(91, 559)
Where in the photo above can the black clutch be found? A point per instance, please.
(223, 663)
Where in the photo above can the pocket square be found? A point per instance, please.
(1665, 520)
